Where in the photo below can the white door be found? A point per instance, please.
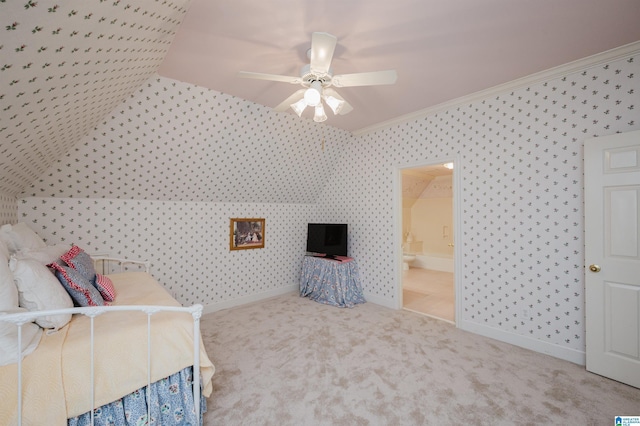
(612, 256)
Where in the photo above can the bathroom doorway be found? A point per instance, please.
(428, 272)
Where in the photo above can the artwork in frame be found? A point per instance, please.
(246, 234)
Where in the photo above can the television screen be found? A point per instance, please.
(327, 238)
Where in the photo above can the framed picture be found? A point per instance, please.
(246, 234)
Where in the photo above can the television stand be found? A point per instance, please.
(335, 257)
(332, 282)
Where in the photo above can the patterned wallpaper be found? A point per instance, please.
(186, 242)
(175, 141)
(163, 172)
(8, 209)
(160, 178)
(522, 196)
(64, 66)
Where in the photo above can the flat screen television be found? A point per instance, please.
(329, 239)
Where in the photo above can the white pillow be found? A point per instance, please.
(39, 289)
(20, 236)
(4, 250)
(8, 289)
(44, 255)
(31, 334)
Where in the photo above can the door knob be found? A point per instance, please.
(594, 268)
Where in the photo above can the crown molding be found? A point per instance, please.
(550, 74)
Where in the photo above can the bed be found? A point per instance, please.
(95, 368)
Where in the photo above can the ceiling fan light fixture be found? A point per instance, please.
(334, 103)
(299, 106)
(317, 79)
(319, 116)
(312, 95)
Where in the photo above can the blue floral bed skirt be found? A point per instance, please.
(171, 404)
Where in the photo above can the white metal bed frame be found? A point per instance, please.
(19, 319)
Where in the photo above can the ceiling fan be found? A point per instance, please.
(317, 80)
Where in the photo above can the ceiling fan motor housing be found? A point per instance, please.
(309, 77)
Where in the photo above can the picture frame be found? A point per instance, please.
(246, 233)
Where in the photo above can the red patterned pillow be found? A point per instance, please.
(80, 261)
(105, 287)
(79, 288)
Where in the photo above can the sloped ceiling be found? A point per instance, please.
(416, 182)
(64, 66)
(67, 65)
(173, 141)
(412, 186)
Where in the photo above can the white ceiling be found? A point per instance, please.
(441, 49)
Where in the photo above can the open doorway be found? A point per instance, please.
(428, 267)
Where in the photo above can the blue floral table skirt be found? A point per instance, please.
(331, 282)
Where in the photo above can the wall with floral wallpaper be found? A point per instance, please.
(187, 243)
(164, 172)
(8, 209)
(64, 66)
(66, 70)
(175, 141)
(104, 153)
(521, 170)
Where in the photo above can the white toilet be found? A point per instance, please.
(407, 258)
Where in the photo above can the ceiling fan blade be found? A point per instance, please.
(290, 100)
(322, 47)
(269, 77)
(374, 78)
(346, 107)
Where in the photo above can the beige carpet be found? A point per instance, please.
(292, 361)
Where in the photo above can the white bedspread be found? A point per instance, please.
(56, 376)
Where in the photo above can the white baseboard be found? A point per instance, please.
(382, 301)
(572, 355)
(280, 291)
(250, 298)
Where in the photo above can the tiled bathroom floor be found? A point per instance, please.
(429, 292)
